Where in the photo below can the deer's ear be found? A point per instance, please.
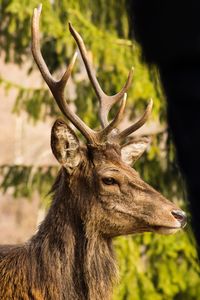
(134, 149)
(65, 145)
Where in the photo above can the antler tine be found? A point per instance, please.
(122, 135)
(35, 46)
(105, 132)
(106, 102)
(57, 87)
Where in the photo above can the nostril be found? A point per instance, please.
(180, 216)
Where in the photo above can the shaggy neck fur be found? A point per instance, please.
(74, 257)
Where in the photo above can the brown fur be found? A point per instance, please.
(71, 255)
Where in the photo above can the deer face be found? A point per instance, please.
(129, 204)
(122, 202)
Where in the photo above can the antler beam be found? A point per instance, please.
(57, 87)
(106, 101)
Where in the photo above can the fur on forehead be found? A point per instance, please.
(106, 151)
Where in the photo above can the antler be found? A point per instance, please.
(106, 102)
(57, 87)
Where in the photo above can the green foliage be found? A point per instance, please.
(36, 102)
(152, 267)
(157, 267)
(113, 55)
(23, 181)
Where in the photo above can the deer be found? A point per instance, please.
(96, 196)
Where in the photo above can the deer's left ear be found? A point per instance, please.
(65, 145)
(131, 151)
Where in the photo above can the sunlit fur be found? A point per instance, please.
(71, 255)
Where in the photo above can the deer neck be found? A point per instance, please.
(81, 261)
(100, 268)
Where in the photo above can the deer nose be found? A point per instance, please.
(181, 216)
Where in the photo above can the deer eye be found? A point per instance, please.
(109, 180)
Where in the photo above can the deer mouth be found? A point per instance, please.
(165, 229)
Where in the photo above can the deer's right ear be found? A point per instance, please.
(65, 145)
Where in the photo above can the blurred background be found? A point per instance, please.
(152, 267)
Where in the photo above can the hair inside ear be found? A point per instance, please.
(65, 145)
(131, 151)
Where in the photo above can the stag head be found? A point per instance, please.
(117, 200)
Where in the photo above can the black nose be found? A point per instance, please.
(180, 216)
